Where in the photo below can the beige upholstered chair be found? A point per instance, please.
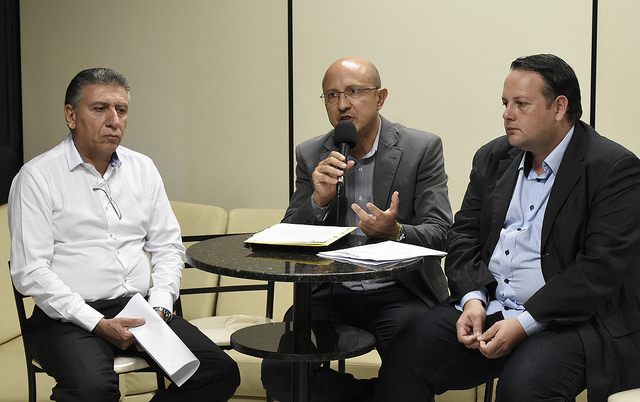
(196, 221)
(632, 395)
(202, 220)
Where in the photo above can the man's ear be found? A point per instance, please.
(70, 116)
(562, 107)
(382, 96)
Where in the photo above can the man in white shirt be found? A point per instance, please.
(91, 226)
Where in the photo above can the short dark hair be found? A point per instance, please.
(101, 76)
(559, 77)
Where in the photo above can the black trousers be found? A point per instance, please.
(82, 362)
(426, 359)
(382, 312)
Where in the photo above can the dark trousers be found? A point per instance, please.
(426, 359)
(82, 362)
(382, 312)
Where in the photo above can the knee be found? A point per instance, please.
(231, 376)
(277, 378)
(514, 389)
(88, 388)
(218, 373)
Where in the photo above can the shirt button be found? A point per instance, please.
(506, 252)
(506, 280)
(531, 207)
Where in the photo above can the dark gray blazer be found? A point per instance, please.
(590, 248)
(408, 161)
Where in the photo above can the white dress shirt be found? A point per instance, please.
(78, 237)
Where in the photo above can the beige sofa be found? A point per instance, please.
(195, 219)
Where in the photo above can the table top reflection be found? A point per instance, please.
(229, 255)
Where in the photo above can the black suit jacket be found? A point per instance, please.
(590, 248)
(408, 161)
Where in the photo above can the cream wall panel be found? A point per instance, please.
(618, 81)
(209, 88)
(443, 62)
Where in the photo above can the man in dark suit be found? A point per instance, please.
(396, 186)
(542, 260)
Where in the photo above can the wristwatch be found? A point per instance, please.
(168, 315)
(401, 234)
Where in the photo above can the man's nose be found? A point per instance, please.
(343, 101)
(112, 117)
(507, 114)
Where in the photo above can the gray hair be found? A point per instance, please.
(100, 76)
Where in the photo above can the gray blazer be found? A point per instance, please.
(408, 161)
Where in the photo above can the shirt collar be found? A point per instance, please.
(74, 158)
(553, 160)
(374, 148)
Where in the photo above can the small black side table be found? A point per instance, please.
(301, 341)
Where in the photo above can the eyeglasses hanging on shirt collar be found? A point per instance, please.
(104, 187)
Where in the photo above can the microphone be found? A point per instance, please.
(344, 137)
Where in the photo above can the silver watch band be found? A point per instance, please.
(168, 315)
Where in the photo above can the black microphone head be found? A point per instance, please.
(345, 133)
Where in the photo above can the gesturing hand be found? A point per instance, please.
(379, 224)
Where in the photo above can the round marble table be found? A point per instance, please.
(301, 341)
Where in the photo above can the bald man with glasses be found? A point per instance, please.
(395, 189)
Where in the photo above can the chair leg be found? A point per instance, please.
(488, 391)
(160, 379)
(31, 380)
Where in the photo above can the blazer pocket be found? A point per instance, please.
(623, 323)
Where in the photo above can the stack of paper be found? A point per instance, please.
(290, 234)
(381, 253)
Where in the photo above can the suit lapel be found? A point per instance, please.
(328, 147)
(503, 193)
(387, 160)
(566, 178)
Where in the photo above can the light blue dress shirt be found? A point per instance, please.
(515, 262)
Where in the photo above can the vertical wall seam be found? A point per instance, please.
(594, 62)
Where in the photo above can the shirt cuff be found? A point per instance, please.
(319, 212)
(529, 324)
(161, 299)
(480, 294)
(87, 318)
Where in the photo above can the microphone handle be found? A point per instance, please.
(344, 150)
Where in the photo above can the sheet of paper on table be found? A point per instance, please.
(292, 234)
(160, 342)
(381, 253)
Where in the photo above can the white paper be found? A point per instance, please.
(162, 344)
(381, 253)
(299, 234)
